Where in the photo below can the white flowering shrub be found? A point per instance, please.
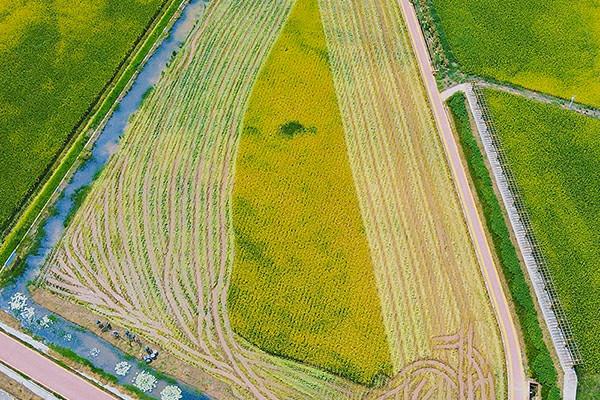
(170, 393)
(17, 301)
(27, 313)
(122, 368)
(45, 321)
(145, 382)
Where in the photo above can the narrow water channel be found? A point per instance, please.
(52, 329)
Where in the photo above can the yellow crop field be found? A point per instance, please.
(302, 283)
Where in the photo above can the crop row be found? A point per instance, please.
(428, 275)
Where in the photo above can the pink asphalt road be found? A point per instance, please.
(46, 372)
(517, 384)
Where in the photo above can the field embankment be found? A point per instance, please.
(554, 155)
(551, 46)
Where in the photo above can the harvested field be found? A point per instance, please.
(151, 247)
(427, 273)
(302, 285)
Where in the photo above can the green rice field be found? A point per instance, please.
(554, 155)
(540, 363)
(551, 46)
(56, 57)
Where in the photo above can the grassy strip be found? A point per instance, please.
(39, 202)
(11, 274)
(432, 27)
(71, 355)
(540, 363)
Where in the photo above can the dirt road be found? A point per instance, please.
(46, 372)
(517, 384)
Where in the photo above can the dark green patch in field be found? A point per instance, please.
(251, 130)
(293, 128)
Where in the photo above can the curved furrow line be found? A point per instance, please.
(107, 255)
(77, 257)
(121, 230)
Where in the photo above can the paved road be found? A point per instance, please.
(517, 384)
(46, 372)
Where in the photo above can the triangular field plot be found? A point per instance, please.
(302, 285)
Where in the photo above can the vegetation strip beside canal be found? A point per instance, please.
(107, 101)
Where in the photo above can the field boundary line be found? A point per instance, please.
(75, 149)
(541, 97)
(554, 316)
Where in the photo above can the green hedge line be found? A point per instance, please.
(540, 362)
